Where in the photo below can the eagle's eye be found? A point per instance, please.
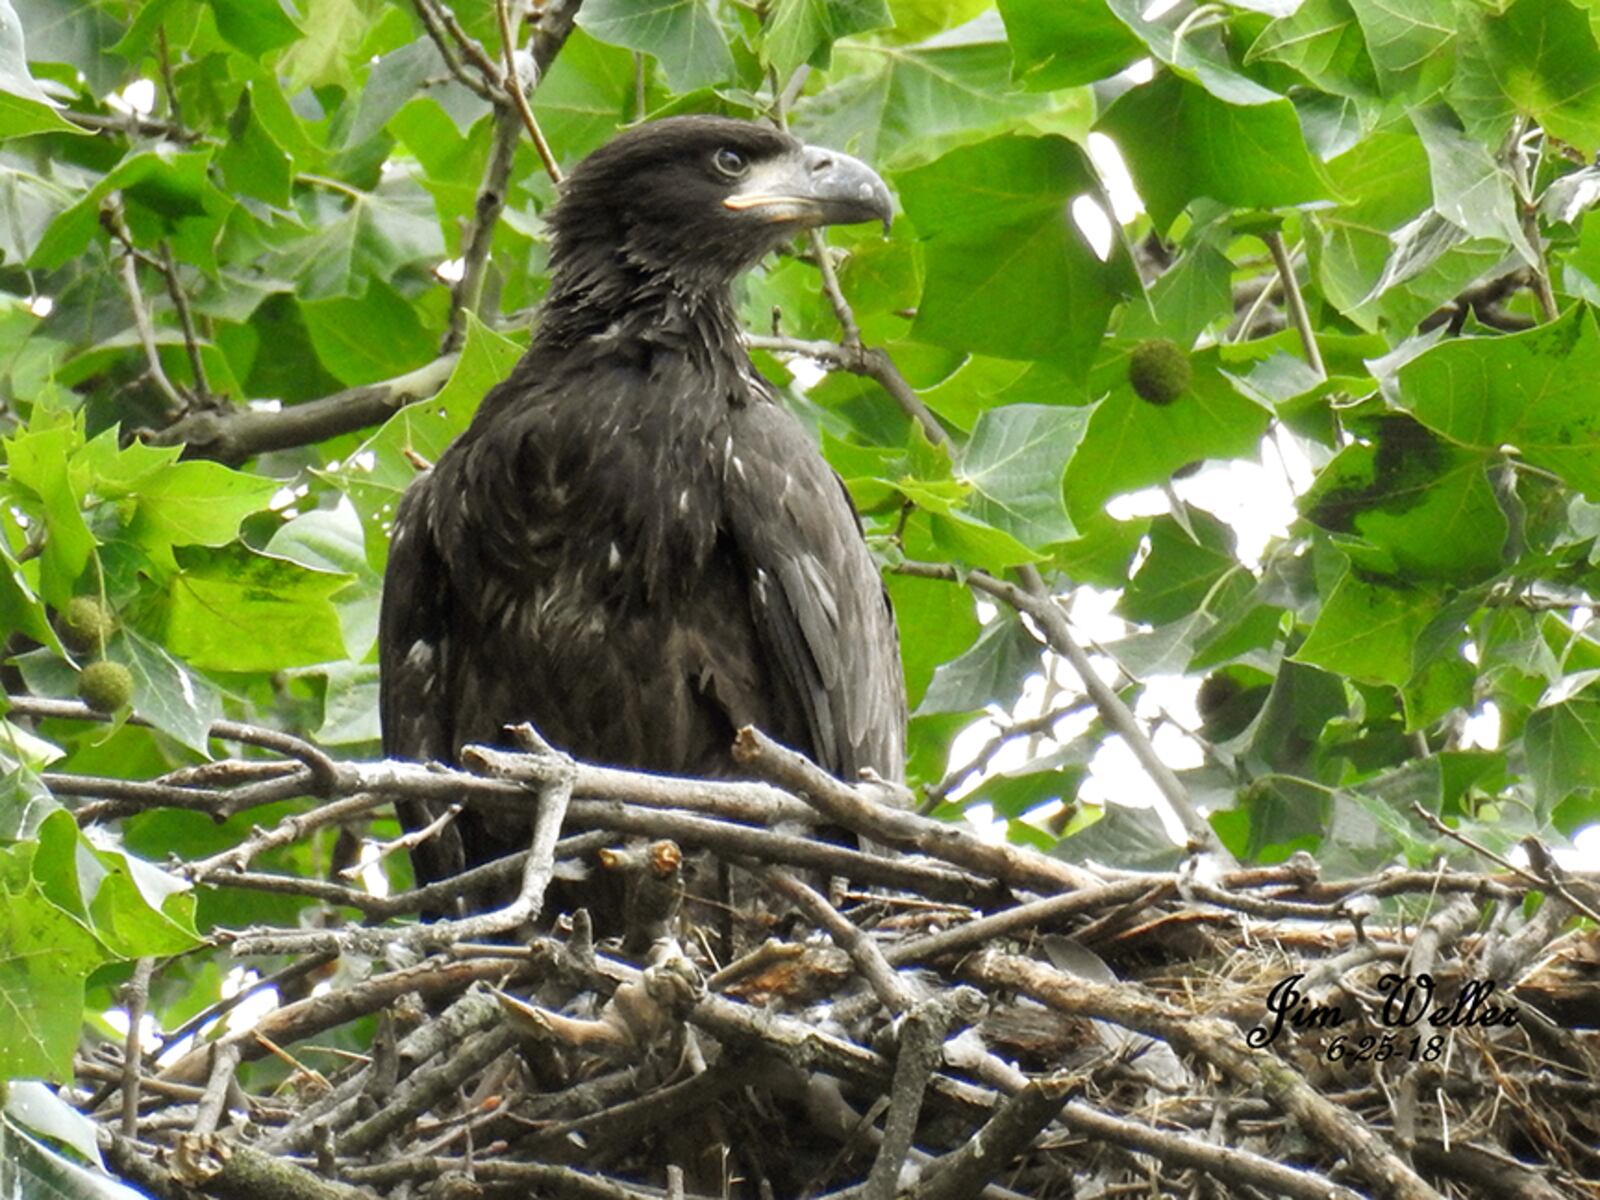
(730, 162)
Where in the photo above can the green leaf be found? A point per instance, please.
(1366, 631)
(682, 35)
(1102, 556)
(965, 539)
(371, 236)
(77, 35)
(132, 921)
(981, 383)
(1528, 390)
(1410, 43)
(991, 672)
(1544, 57)
(1181, 569)
(1136, 838)
(235, 610)
(1385, 182)
(1064, 43)
(917, 20)
(31, 1105)
(395, 80)
(103, 468)
(936, 621)
(333, 540)
(252, 162)
(349, 705)
(132, 906)
(25, 803)
(172, 184)
(368, 338)
(24, 106)
(1131, 444)
(1014, 463)
(1425, 508)
(1193, 293)
(165, 693)
(898, 106)
(1324, 42)
(587, 91)
(1472, 189)
(1562, 740)
(1182, 142)
(20, 606)
(1433, 261)
(37, 461)
(995, 223)
(803, 31)
(45, 956)
(196, 504)
(256, 27)
(334, 32)
(33, 1168)
(376, 475)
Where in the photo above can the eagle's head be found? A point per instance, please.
(699, 199)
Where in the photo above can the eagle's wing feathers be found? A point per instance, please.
(816, 597)
(415, 702)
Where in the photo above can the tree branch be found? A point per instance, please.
(111, 215)
(1032, 597)
(515, 88)
(235, 434)
(1296, 301)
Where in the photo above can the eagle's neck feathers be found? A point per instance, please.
(613, 297)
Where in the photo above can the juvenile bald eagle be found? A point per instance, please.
(635, 545)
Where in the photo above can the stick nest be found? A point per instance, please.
(681, 989)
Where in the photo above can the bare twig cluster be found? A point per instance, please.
(942, 1017)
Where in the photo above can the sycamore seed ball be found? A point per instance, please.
(105, 686)
(87, 624)
(1159, 371)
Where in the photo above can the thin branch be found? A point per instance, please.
(234, 434)
(1296, 301)
(1233, 1164)
(868, 361)
(135, 998)
(323, 1011)
(224, 1059)
(289, 974)
(111, 215)
(1216, 1041)
(169, 83)
(893, 991)
(1526, 168)
(1033, 598)
(1029, 727)
(468, 46)
(863, 810)
(478, 238)
(1548, 883)
(966, 1171)
(484, 87)
(131, 124)
(290, 829)
(515, 88)
(426, 1087)
(831, 289)
(1137, 893)
(922, 1036)
(191, 342)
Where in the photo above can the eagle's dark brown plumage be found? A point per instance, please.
(635, 545)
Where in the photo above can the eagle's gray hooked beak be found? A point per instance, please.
(816, 186)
